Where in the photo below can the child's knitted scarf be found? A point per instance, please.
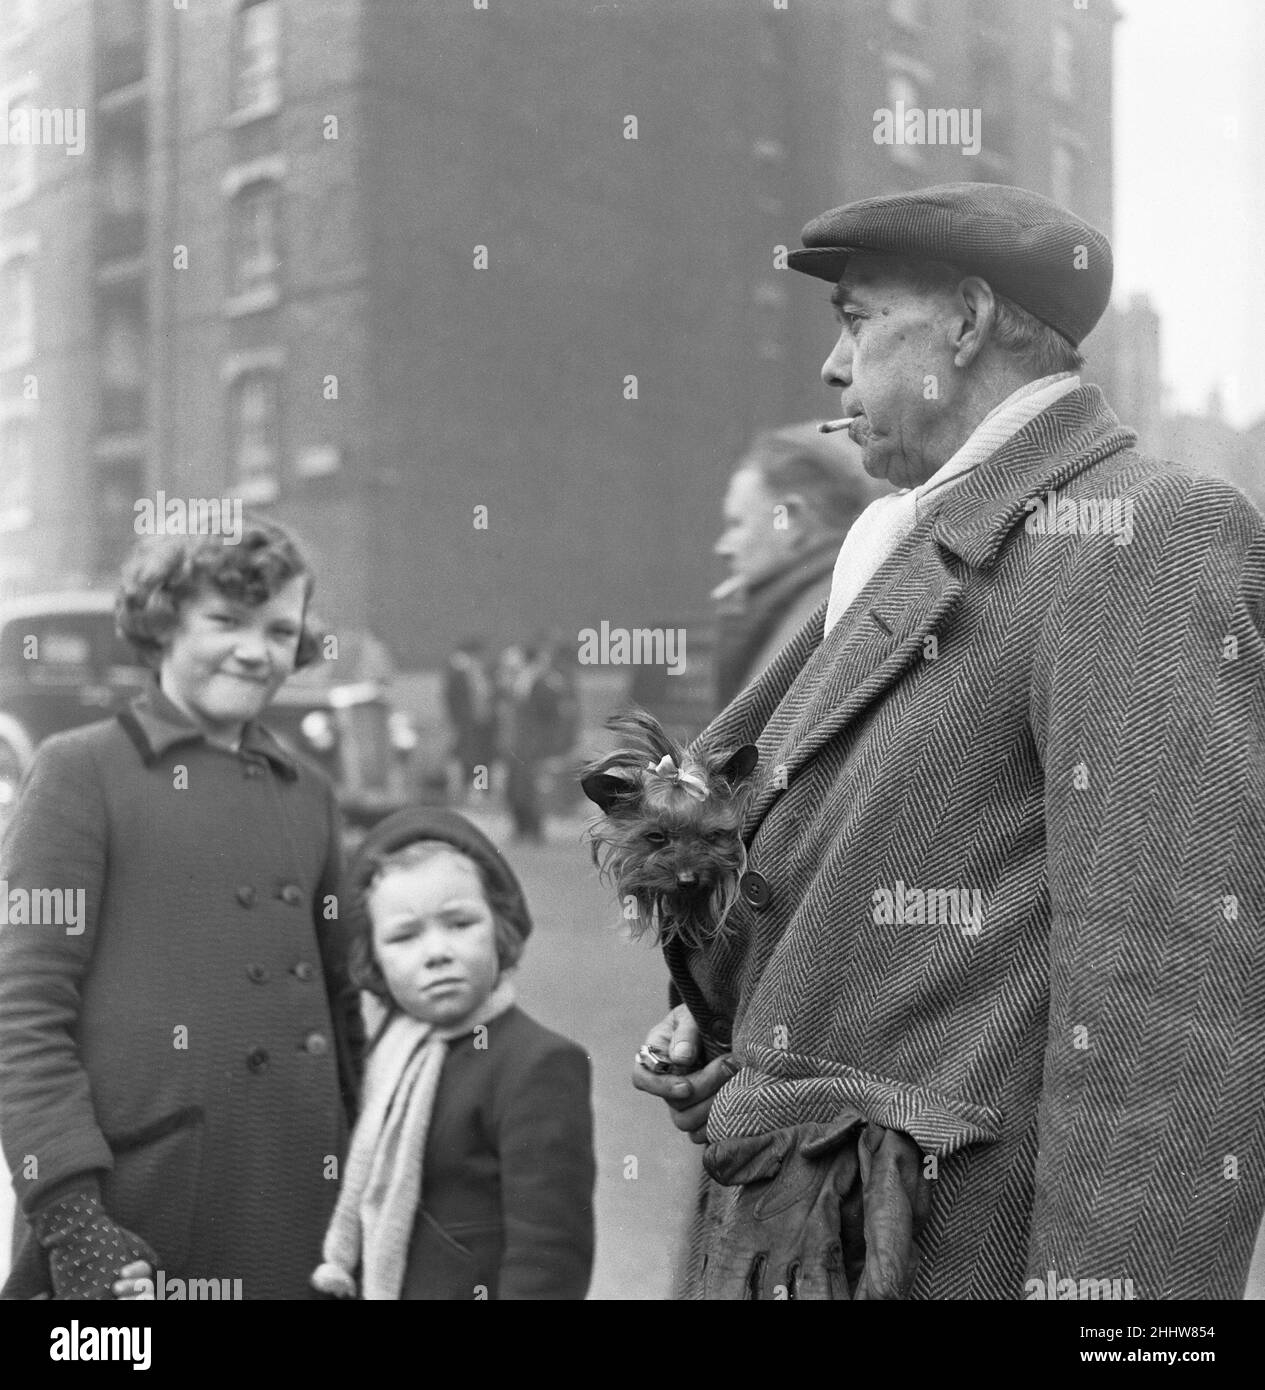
(382, 1178)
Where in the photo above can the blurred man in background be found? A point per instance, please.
(791, 500)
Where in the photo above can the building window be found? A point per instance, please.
(1062, 69)
(902, 97)
(256, 258)
(908, 13)
(17, 161)
(257, 53)
(17, 313)
(16, 474)
(1063, 176)
(17, 17)
(255, 435)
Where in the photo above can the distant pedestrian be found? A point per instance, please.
(544, 723)
(470, 702)
(471, 1170)
(790, 502)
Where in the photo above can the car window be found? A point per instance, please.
(66, 649)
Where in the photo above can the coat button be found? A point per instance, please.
(755, 889)
(291, 894)
(257, 973)
(246, 895)
(304, 970)
(257, 1060)
(316, 1044)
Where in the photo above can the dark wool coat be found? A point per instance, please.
(1074, 729)
(198, 1042)
(508, 1173)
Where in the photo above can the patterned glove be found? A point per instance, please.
(86, 1250)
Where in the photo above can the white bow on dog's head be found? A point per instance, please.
(690, 781)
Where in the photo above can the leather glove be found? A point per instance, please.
(821, 1211)
(86, 1249)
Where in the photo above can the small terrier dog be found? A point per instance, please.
(669, 833)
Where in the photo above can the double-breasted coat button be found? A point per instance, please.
(292, 894)
(304, 970)
(257, 1059)
(316, 1044)
(755, 889)
(246, 895)
(257, 973)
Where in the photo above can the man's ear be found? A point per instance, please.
(740, 765)
(979, 311)
(605, 788)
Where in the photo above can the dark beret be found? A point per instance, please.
(407, 827)
(1027, 247)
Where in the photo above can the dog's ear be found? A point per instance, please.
(605, 788)
(740, 765)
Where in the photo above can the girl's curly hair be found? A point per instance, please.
(162, 574)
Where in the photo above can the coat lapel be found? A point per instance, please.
(914, 591)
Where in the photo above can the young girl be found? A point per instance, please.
(471, 1170)
(177, 1074)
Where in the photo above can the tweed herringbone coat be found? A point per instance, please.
(1012, 823)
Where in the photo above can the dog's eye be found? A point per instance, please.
(656, 837)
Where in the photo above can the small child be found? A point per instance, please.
(470, 1173)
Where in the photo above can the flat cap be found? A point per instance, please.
(1026, 246)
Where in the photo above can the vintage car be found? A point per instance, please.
(62, 664)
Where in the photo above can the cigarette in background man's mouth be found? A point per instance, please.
(830, 426)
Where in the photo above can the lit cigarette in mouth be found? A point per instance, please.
(830, 426)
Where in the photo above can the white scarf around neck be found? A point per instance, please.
(382, 1177)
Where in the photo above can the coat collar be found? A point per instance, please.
(910, 596)
(1077, 431)
(156, 726)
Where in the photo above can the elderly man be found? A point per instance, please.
(988, 1022)
(790, 500)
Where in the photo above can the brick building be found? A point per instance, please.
(378, 264)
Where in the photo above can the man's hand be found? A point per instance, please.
(689, 1094)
